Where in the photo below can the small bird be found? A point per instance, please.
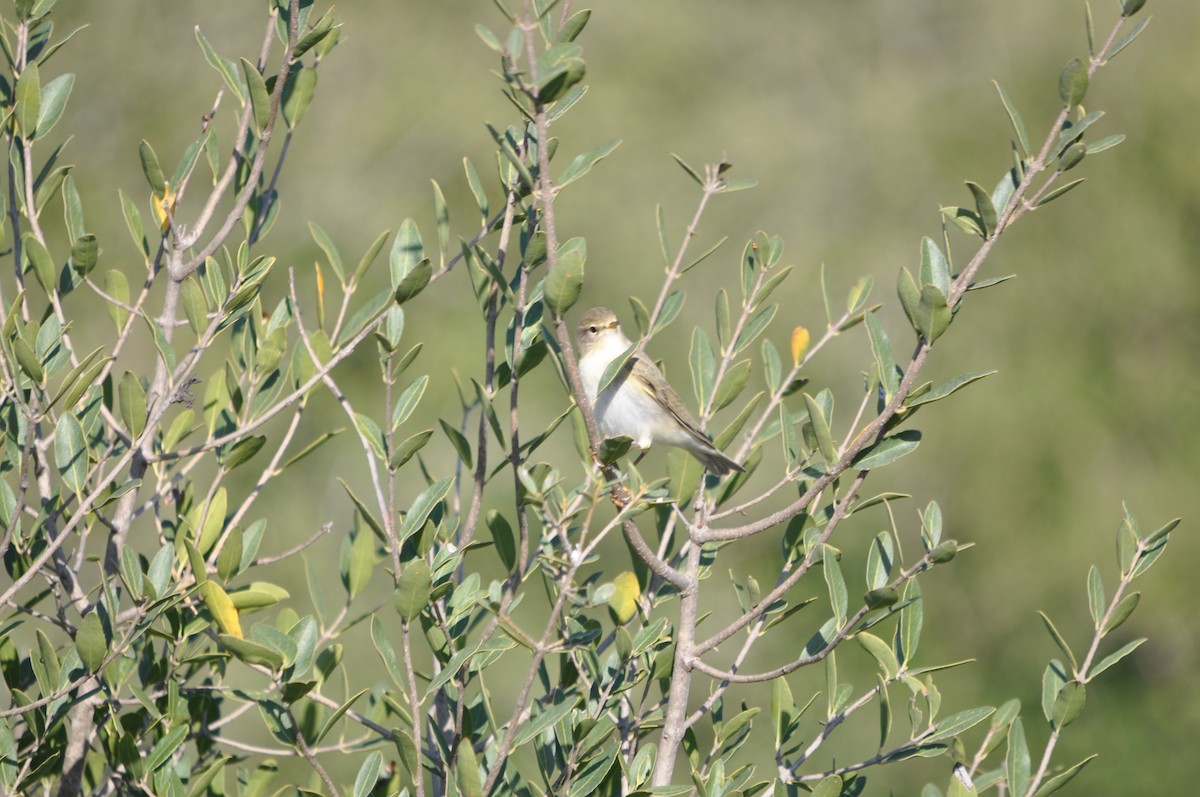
(638, 402)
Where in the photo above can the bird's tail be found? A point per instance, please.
(713, 460)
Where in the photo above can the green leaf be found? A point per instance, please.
(1156, 536)
(161, 343)
(705, 255)
(1069, 703)
(1095, 596)
(1128, 38)
(1062, 779)
(166, 747)
(613, 448)
(830, 786)
(729, 186)
(881, 652)
(1072, 156)
(1128, 544)
(326, 245)
(414, 282)
(41, 261)
(887, 450)
(983, 207)
(1057, 192)
(461, 446)
(959, 723)
(880, 560)
(951, 387)
(1059, 640)
(441, 215)
(966, 220)
(935, 268)
(1150, 551)
(28, 101)
(407, 251)
(477, 190)
(408, 448)
(724, 323)
(754, 327)
(53, 102)
(1014, 117)
(908, 630)
(732, 385)
(337, 715)
(565, 280)
(372, 434)
(1115, 657)
(466, 772)
(670, 309)
(910, 297)
(1016, 764)
(369, 256)
(413, 589)
(70, 452)
(91, 642)
(1073, 83)
(835, 583)
(297, 95)
(260, 98)
(195, 305)
(819, 421)
(885, 361)
(933, 313)
(1120, 613)
(133, 404)
(547, 718)
(503, 537)
(28, 360)
(225, 68)
(408, 401)
(423, 506)
(252, 652)
(1054, 677)
(84, 254)
(703, 363)
(150, 168)
(582, 164)
(368, 774)
(691, 172)
(387, 652)
(361, 562)
(1108, 142)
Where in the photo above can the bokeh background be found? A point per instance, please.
(858, 118)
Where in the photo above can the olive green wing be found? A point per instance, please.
(646, 373)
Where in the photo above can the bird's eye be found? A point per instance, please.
(592, 330)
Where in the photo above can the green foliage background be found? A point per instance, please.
(859, 119)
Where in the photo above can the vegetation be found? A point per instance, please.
(517, 647)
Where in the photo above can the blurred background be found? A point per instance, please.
(859, 119)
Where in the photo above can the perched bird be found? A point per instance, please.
(638, 402)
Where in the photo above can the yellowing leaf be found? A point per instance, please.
(623, 602)
(799, 344)
(164, 206)
(221, 608)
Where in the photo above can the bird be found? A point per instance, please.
(638, 403)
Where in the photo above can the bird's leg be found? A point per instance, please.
(641, 456)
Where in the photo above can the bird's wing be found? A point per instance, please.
(646, 373)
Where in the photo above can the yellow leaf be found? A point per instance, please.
(320, 296)
(163, 207)
(623, 602)
(221, 608)
(799, 344)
